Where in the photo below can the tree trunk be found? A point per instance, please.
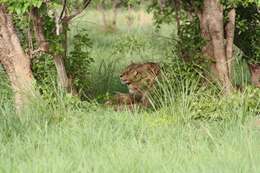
(255, 74)
(44, 46)
(65, 27)
(211, 20)
(61, 72)
(230, 30)
(15, 62)
(30, 42)
(207, 50)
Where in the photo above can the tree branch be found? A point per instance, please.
(63, 9)
(68, 18)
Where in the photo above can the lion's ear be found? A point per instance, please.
(135, 73)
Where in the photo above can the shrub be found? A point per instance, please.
(79, 61)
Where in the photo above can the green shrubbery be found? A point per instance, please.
(77, 66)
(78, 62)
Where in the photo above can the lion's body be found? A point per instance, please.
(139, 79)
(120, 99)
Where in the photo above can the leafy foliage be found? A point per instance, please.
(77, 65)
(247, 32)
(165, 15)
(190, 41)
(44, 72)
(79, 61)
(128, 44)
(22, 6)
(247, 23)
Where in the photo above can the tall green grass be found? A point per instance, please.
(71, 139)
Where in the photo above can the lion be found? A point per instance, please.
(121, 101)
(139, 79)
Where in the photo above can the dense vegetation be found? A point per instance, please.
(194, 124)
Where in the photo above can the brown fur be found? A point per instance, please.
(140, 79)
(122, 101)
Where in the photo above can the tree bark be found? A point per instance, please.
(15, 62)
(207, 50)
(63, 80)
(211, 20)
(230, 30)
(65, 26)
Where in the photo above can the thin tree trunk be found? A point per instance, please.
(44, 46)
(230, 30)
(15, 62)
(30, 42)
(65, 27)
(61, 72)
(57, 22)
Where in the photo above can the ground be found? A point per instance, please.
(86, 137)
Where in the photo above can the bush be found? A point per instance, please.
(79, 61)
